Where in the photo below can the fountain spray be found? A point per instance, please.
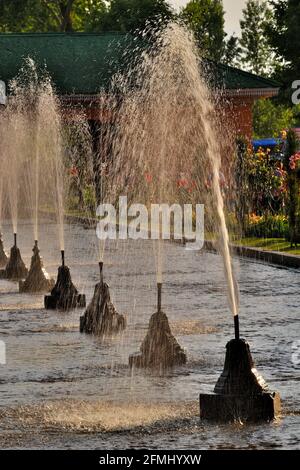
(3, 255)
(157, 125)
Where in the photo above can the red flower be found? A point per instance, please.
(74, 171)
(182, 183)
(293, 160)
(148, 178)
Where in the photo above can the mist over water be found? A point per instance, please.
(33, 177)
(166, 148)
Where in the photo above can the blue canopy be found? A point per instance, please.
(270, 143)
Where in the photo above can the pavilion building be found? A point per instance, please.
(81, 67)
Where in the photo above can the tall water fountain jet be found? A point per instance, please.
(30, 89)
(169, 139)
(101, 317)
(13, 142)
(64, 295)
(3, 255)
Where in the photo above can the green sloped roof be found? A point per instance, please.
(78, 63)
(233, 78)
(82, 63)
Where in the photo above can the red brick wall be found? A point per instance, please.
(238, 112)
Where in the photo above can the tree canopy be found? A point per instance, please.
(284, 36)
(129, 15)
(80, 15)
(206, 19)
(256, 51)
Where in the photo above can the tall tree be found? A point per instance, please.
(284, 36)
(50, 15)
(206, 19)
(130, 15)
(80, 15)
(232, 52)
(256, 51)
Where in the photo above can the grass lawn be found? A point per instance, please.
(272, 244)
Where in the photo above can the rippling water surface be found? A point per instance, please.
(61, 389)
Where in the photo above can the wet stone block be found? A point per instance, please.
(241, 394)
(64, 295)
(228, 408)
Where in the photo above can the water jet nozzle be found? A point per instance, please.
(62, 257)
(159, 291)
(236, 327)
(36, 243)
(101, 271)
(15, 239)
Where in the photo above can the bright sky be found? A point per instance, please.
(233, 9)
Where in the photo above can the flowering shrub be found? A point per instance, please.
(266, 182)
(261, 183)
(272, 226)
(294, 159)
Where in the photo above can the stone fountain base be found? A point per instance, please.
(241, 394)
(160, 349)
(263, 407)
(15, 269)
(3, 255)
(101, 317)
(64, 295)
(38, 280)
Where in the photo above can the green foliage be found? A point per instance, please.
(80, 15)
(232, 53)
(269, 118)
(242, 183)
(89, 15)
(260, 183)
(293, 190)
(130, 15)
(269, 226)
(256, 52)
(206, 19)
(89, 198)
(284, 37)
(40, 15)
